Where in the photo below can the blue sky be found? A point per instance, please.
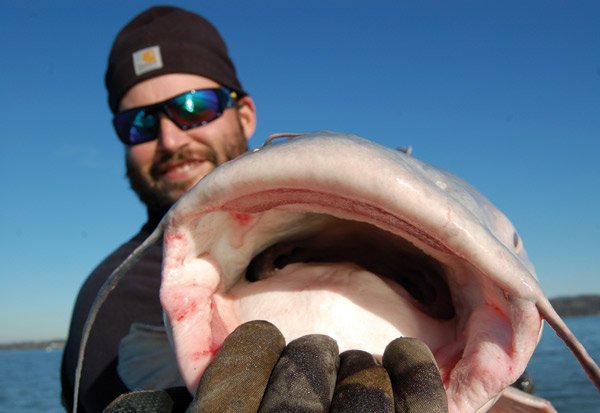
(504, 94)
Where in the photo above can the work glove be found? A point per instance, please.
(256, 372)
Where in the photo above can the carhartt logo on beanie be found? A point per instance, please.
(147, 59)
(165, 40)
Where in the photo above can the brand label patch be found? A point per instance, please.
(146, 60)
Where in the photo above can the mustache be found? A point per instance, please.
(162, 161)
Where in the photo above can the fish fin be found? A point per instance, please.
(146, 359)
(513, 400)
(405, 149)
(111, 282)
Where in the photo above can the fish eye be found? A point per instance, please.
(516, 240)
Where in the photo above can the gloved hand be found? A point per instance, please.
(256, 372)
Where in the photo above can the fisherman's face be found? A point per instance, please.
(162, 170)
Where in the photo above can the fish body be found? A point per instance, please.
(334, 234)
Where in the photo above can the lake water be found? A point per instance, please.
(29, 379)
(558, 377)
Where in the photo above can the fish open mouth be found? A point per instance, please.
(406, 269)
(363, 261)
(354, 281)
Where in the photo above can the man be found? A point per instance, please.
(181, 111)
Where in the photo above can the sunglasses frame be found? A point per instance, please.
(226, 99)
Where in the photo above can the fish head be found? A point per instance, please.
(334, 234)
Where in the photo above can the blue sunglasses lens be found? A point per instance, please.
(143, 127)
(194, 108)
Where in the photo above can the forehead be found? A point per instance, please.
(163, 87)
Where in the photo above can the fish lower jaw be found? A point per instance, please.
(327, 299)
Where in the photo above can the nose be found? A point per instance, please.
(170, 137)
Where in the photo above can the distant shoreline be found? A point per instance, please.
(34, 345)
(579, 305)
(575, 306)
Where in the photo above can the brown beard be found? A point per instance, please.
(157, 197)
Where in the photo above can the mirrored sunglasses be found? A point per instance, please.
(188, 110)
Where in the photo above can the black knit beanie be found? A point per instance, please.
(165, 40)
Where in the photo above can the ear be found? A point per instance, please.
(247, 115)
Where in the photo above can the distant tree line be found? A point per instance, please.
(576, 306)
